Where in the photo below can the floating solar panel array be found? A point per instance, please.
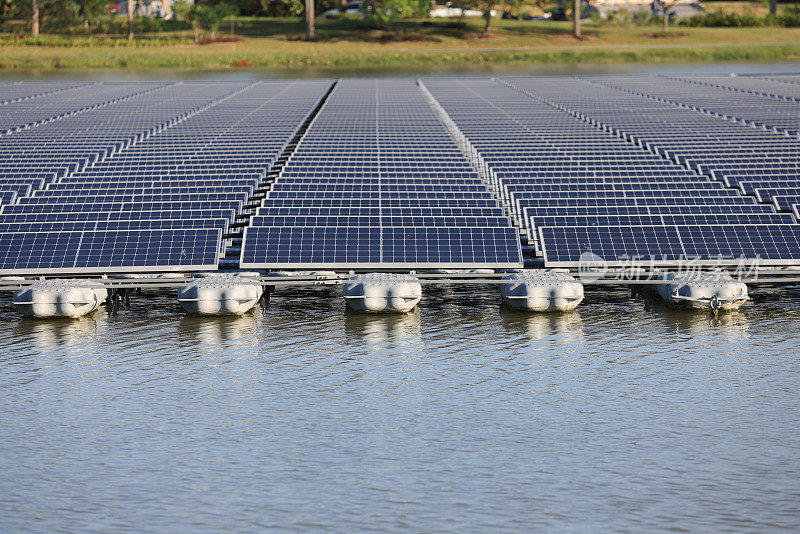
(786, 78)
(58, 105)
(378, 182)
(17, 91)
(134, 177)
(747, 158)
(145, 183)
(782, 90)
(778, 114)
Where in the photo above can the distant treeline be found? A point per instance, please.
(722, 19)
(97, 16)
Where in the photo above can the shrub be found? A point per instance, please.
(721, 19)
(203, 16)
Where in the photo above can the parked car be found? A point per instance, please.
(352, 8)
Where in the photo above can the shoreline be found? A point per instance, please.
(57, 60)
(273, 45)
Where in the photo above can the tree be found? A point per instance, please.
(83, 11)
(88, 10)
(486, 7)
(282, 8)
(666, 7)
(35, 18)
(310, 20)
(388, 13)
(576, 19)
(514, 7)
(203, 16)
(773, 7)
(129, 5)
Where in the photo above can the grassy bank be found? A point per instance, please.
(274, 44)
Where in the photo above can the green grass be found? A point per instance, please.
(273, 44)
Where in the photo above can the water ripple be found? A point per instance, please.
(462, 415)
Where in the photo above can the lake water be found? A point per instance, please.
(587, 69)
(458, 417)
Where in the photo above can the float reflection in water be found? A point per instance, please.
(541, 325)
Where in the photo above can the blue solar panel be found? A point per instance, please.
(647, 210)
(111, 251)
(634, 201)
(169, 190)
(380, 220)
(380, 203)
(82, 226)
(99, 199)
(118, 185)
(348, 189)
(449, 195)
(669, 245)
(365, 247)
(20, 190)
(661, 220)
(120, 207)
(749, 188)
(626, 186)
(646, 193)
(196, 214)
(285, 181)
(767, 194)
(311, 211)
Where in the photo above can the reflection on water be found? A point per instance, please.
(542, 325)
(51, 334)
(460, 415)
(379, 328)
(731, 324)
(215, 330)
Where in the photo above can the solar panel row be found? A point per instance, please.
(378, 181)
(773, 88)
(771, 105)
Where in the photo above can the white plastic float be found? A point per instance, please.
(540, 290)
(382, 292)
(60, 298)
(220, 293)
(702, 290)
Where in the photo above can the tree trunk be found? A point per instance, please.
(773, 7)
(84, 13)
(129, 5)
(198, 32)
(576, 19)
(310, 20)
(35, 18)
(666, 19)
(487, 25)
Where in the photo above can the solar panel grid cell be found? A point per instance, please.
(673, 245)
